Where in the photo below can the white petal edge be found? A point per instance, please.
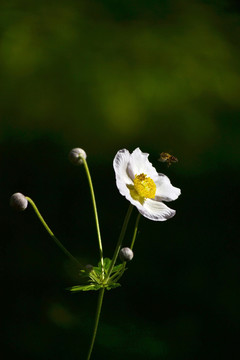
(157, 211)
(165, 190)
(139, 164)
(120, 164)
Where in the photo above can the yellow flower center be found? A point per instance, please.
(144, 186)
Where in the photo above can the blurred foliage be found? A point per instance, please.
(158, 72)
(106, 74)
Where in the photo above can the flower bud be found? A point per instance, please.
(76, 155)
(89, 267)
(18, 201)
(126, 254)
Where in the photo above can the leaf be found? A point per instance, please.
(85, 287)
(106, 264)
(117, 268)
(97, 270)
(112, 286)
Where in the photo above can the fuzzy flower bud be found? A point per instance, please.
(76, 155)
(18, 201)
(126, 254)
(89, 267)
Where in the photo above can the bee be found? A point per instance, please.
(167, 158)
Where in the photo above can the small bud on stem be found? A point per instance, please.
(126, 254)
(76, 155)
(18, 202)
(89, 267)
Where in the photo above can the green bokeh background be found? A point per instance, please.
(104, 75)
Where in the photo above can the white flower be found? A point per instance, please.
(140, 183)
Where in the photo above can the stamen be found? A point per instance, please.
(145, 186)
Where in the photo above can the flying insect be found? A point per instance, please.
(167, 158)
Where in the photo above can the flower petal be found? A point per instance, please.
(120, 164)
(139, 164)
(156, 210)
(165, 190)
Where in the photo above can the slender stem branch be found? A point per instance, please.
(132, 244)
(59, 244)
(135, 231)
(99, 307)
(120, 240)
(95, 212)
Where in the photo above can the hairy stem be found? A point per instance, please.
(120, 240)
(132, 244)
(98, 312)
(95, 212)
(135, 230)
(59, 244)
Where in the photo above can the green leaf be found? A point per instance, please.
(112, 286)
(97, 270)
(106, 264)
(85, 287)
(117, 268)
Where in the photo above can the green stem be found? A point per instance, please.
(132, 244)
(135, 231)
(120, 240)
(59, 244)
(95, 212)
(99, 307)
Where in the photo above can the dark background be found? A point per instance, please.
(105, 75)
